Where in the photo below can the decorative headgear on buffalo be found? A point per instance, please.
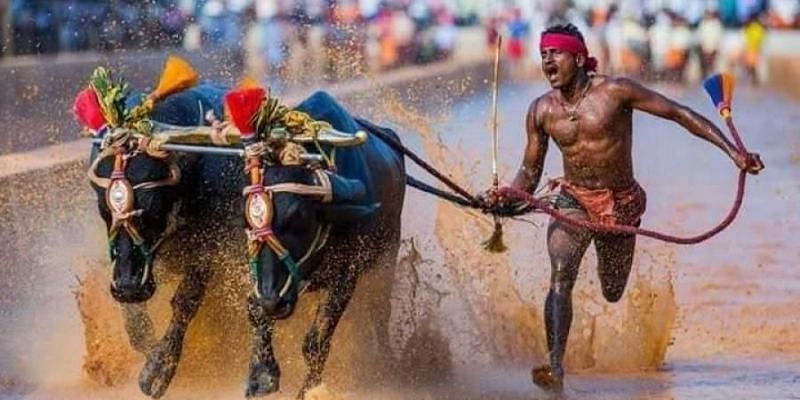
(102, 104)
(278, 133)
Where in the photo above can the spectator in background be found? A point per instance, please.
(445, 35)
(600, 15)
(298, 28)
(233, 32)
(212, 23)
(518, 31)
(252, 48)
(492, 26)
(754, 34)
(615, 40)
(660, 35)
(709, 36)
(404, 32)
(172, 24)
(271, 23)
(691, 11)
(345, 38)
(636, 48)
(387, 43)
(301, 20)
(680, 43)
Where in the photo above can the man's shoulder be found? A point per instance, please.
(615, 82)
(540, 106)
(618, 87)
(542, 101)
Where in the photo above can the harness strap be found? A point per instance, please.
(299, 188)
(122, 209)
(268, 237)
(262, 233)
(173, 179)
(320, 240)
(92, 174)
(323, 190)
(283, 254)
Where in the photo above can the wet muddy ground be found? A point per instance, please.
(713, 321)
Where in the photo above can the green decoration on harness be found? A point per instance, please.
(111, 96)
(294, 270)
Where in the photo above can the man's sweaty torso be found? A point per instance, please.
(596, 147)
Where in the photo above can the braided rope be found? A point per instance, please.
(464, 198)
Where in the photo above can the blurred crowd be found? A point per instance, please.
(50, 26)
(346, 36)
(268, 35)
(652, 39)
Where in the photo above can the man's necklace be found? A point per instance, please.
(572, 111)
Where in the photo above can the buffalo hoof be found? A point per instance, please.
(159, 369)
(262, 381)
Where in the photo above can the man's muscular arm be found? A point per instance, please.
(530, 172)
(654, 103)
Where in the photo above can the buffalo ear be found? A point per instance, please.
(336, 214)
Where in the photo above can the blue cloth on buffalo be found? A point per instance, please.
(186, 108)
(351, 162)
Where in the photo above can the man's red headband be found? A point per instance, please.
(570, 44)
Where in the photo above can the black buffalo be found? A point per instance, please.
(201, 193)
(362, 229)
(332, 243)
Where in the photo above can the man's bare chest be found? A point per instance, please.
(592, 122)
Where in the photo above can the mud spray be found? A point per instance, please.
(447, 303)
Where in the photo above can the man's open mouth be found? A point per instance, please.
(550, 71)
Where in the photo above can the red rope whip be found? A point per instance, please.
(540, 205)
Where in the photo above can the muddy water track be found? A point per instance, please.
(714, 320)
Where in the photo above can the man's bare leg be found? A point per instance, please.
(614, 261)
(566, 246)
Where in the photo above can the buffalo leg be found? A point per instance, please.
(162, 361)
(264, 376)
(317, 344)
(139, 327)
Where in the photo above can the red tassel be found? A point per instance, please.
(88, 111)
(243, 104)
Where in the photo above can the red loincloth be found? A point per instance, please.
(624, 207)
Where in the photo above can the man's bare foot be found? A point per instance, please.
(545, 378)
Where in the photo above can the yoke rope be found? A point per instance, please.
(464, 198)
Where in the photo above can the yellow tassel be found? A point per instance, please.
(178, 75)
(495, 242)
